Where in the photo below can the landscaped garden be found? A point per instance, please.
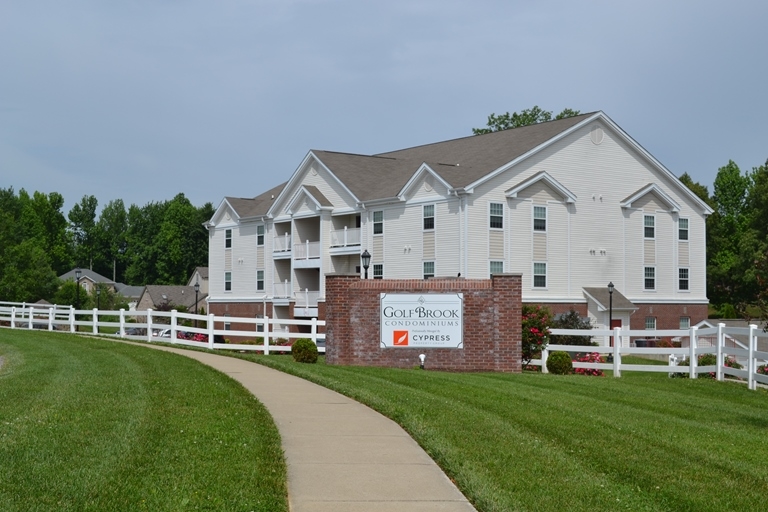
(88, 424)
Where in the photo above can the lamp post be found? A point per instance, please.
(366, 257)
(98, 297)
(610, 309)
(78, 273)
(197, 290)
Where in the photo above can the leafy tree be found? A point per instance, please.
(571, 320)
(697, 188)
(82, 217)
(111, 231)
(26, 274)
(534, 115)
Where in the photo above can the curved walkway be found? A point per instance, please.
(342, 456)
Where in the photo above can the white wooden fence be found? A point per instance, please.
(750, 356)
(165, 326)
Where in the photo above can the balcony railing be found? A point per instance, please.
(306, 251)
(283, 290)
(307, 298)
(345, 237)
(282, 243)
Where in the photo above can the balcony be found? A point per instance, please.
(306, 303)
(345, 241)
(281, 246)
(282, 290)
(306, 255)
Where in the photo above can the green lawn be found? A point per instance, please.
(96, 425)
(545, 442)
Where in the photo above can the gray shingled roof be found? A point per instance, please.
(175, 295)
(203, 271)
(86, 273)
(602, 297)
(319, 197)
(255, 206)
(459, 161)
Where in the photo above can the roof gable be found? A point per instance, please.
(425, 181)
(310, 196)
(542, 177)
(654, 189)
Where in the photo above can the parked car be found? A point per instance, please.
(162, 333)
(135, 331)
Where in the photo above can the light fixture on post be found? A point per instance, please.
(366, 257)
(422, 357)
(98, 297)
(610, 309)
(197, 290)
(78, 273)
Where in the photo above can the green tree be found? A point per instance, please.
(26, 274)
(534, 115)
(110, 237)
(82, 218)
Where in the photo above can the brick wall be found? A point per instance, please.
(491, 320)
(667, 315)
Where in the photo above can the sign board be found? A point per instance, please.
(422, 320)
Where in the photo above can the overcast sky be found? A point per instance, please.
(143, 99)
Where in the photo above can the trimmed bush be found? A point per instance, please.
(559, 363)
(304, 350)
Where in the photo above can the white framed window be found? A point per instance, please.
(649, 227)
(496, 216)
(540, 218)
(539, 275)
(496, 267)
(682, 229)
(649, 278)
(650, 323)
(429, 217)
(260, 280)
(682, 279)
(429, 269)
(378, 222)
(378, 271)
(227, 324)
(685, 322)
(228, 239)
(260, 234)
(227, 281)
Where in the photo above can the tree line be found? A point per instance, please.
(158, 243)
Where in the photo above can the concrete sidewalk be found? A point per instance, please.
(342, 456)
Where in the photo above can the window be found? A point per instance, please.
(227, 281)
(682, 229)
(539, 275)
(497, 216)
(260, 327)
(497, 267)
(429, 216)
(649, 223)
(539, 218)
(378, 223)
(429, 269)
(650, 323)
(682, 282)
(227, 324)
(378, 271)
(650, 278)
(260, 280)
(228, 238)
(685, 322)
(260, 235)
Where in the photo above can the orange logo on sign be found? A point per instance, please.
(400, 338)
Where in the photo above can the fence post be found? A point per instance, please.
(13, 317)
(751, 367)
(210, 331)
(50, 318)
(71, 319)
(149, 325)
(122, 322)
(693, 360)
(720, 345)
(95, 321)
(314, 328)
(267, 337)
(30, 318)
(173, 325)
(616, 352)
(544, 357)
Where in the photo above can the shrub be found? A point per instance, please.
(592, 357)
(304, 350)
(534, 336)
(571, 320)
(559, 363)
(763, 369)
(710, 360)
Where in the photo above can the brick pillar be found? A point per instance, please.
(338, 334)
(507, 299)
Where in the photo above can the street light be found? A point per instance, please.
(366, 257)
(197, 289)
(98, 297)
(78, 273)
(610, 309)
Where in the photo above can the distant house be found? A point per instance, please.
(89, 279)
(200, 275)
(131, 293)
(166, 297)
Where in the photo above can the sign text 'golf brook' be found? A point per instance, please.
(422, 320)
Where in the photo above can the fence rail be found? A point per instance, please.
(751, 356)
(168, 326)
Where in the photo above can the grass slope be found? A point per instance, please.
(544, 442)
(96, 425)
